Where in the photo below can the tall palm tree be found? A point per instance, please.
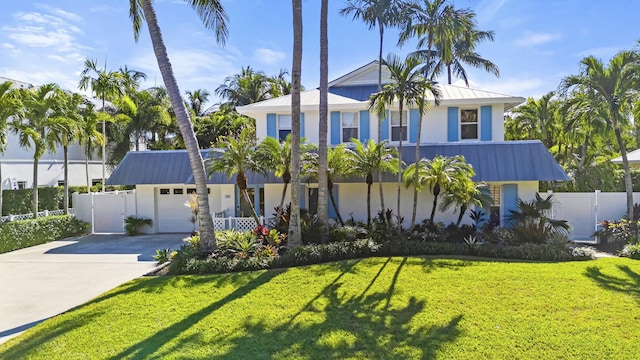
(39, 127)
(237, 156)
(462, 192)
(381, 14)
(295, 232)
(248, 87)
(197, 99)
(407, 87)
(323, 214)
(69, 112)
(10, 109)
(438, 173)
(615, 85)
(214, 17)
(130, 79)
(280, 86)
(106, 85)
(539, 116)
(88, 134)
(366, 159)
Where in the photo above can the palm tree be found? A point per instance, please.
(280, 86)
(323, 110)
(130, 79)
(237, 156)
(10, 109)
(89, 135)
(106, 85)
(197, 99)
(295, 232)
(380, 13)
(214, 17)
(462, 192)
(276, 156)
(539, 117)
(615, 86)
(248, 87)
(407, 87)
(69, 112)
(369, 158)
(39, 127)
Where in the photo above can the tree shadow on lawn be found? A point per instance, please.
(629, 284)
(365, 325)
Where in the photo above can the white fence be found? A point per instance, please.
(105, 211)
(584, 211)
(44, 213)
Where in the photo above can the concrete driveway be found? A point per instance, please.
(42, 281)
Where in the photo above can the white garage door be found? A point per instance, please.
(173, 215)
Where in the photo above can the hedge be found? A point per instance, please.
(24, 233)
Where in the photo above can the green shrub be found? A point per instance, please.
(21, 201)
(24, 233)
(133, 224)
(631, 251)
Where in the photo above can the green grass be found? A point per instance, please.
(377, 308)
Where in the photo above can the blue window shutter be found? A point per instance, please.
(303, 197)
(384, 128)
(272, 126)
(364, 126)
(332, 211)
(302, 125)
(452, 124)
(414, 121)
(335, 128)
(484, 190)
(485, 123)
(509, 201)
(256, 200)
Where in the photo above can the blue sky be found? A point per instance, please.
(537, 42)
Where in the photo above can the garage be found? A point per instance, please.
(172, 213)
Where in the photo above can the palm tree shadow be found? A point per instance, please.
(629, 284)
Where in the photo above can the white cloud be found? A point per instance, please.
(601, 52)
(488, 9)
(268, 56)
(106, 9)
(517, 86)
(532, 39)
(61, 13)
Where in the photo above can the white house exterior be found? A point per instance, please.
(17, 163)
(469, 122)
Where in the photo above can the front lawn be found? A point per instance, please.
(376, 308)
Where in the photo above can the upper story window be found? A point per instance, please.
(396, 130)
(350, 126)
(284, 126)
(469, 124)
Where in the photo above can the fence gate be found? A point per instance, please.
(106, 211)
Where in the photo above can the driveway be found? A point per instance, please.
(42, 281)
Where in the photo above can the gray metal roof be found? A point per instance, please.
(492, 161)
(358, 92)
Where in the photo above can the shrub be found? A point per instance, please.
(133, 224)
(163, 255)
(584, 252)
(20, 201)
(619, 231)
(631, 251)
(24, 233)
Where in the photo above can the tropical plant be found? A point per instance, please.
(615, 85)
(214, 17)
(407, 87)
(295, 231)
(366, 159)
(197, 99)
(88, 134)
(462, 193)
(235, 157)
(381, 14)
(39, 126)
(224, 122)
(247, 87)
(532, 222)
(10, 109)
(133, 224)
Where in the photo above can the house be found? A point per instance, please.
(17, 163)
(468, 121)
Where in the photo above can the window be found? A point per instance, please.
(494, 216)
(164, 191)
(349, 126)
(284, 126)
(396, 131)
(22, 185)
(191, 191)
(469, 124)
(60, 182)
(178, 191)
(95, 182)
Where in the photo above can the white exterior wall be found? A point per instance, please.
(146, 205)
(272, 196)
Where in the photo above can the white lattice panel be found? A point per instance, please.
(244, 223)
(220, 223)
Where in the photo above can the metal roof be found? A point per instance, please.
(492, 161)
(633, 157)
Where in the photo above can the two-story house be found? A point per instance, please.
(467, 121)
(17, 162)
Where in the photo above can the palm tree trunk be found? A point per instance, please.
(463, 209)
(449, 74)
(295, 232)
(333, 203)
(627, 173)
(35, 186)
(66, 179)
(400, 165)
(369, 176)
(436, 192)
(86, 167)
(322, 212)
(415, 177)
(104, 144)
(207, 232)
(281, 207)
(247, 199)
(382, 207)
(1, 187)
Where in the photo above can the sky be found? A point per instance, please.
(537, 42)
